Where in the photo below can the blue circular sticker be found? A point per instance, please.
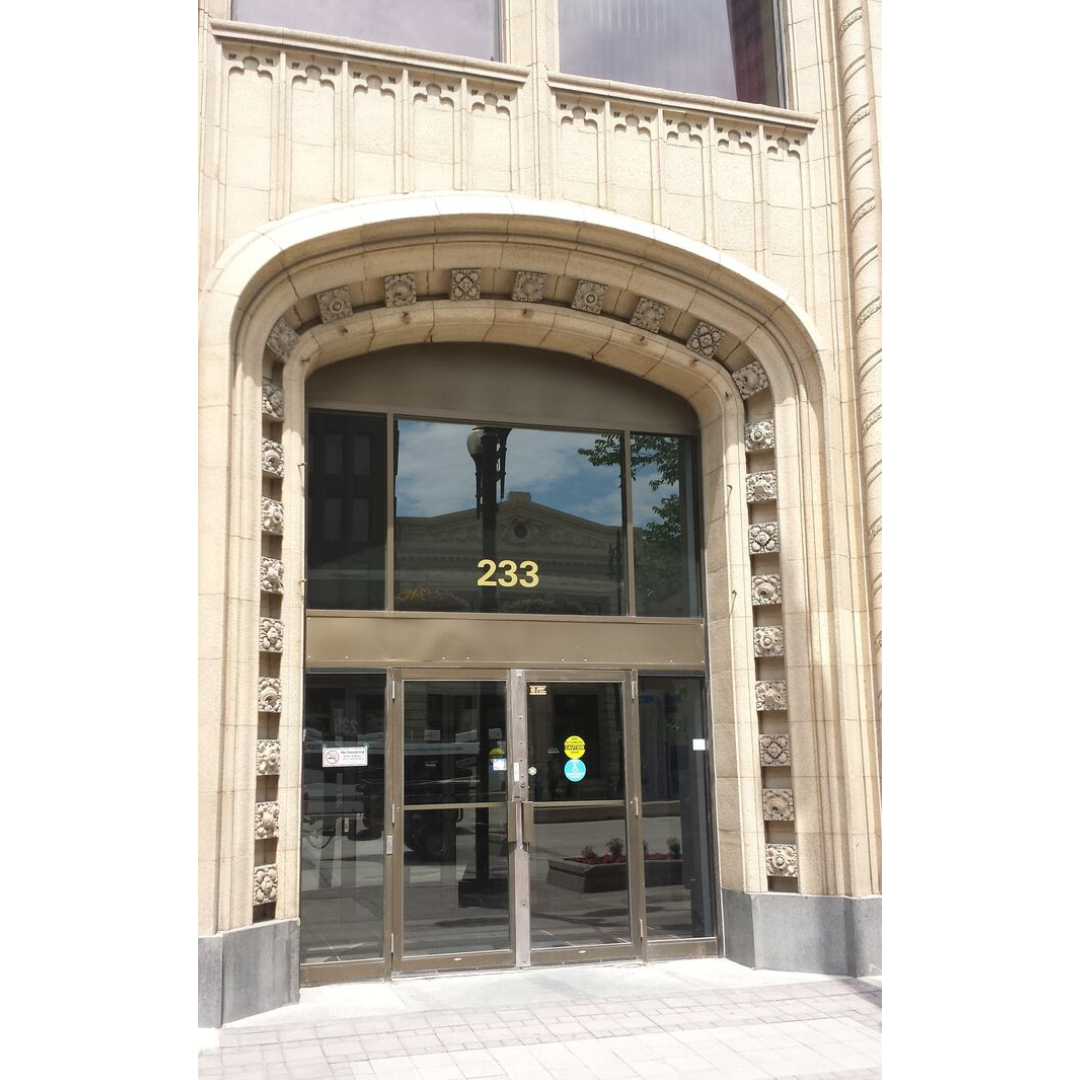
(575, 770)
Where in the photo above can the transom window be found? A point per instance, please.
(498, 517)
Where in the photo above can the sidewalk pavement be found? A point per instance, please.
(709, 1019)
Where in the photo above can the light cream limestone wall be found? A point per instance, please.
(294, 124)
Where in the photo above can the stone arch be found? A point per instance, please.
(262, 319)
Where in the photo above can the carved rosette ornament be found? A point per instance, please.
(588, 297)
(778, 804)
(750, 380)
(272, 575)
(273, 459)
(465, 284)
(273, 517)
(529, 287)
(281, 340)
(266, 820)
(765, 589)
(774, 750)
(765, 538)
(271, 635)
(265, 891)
(334, 304)
(269, 695)
(400, 290)
(768, 641)
(273, 400)
(760, 436)
(781, 860)
(268, 757)
(761, 486)
(648, 315)
(770, 695)
(705, 339)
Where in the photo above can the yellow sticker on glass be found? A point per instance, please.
(574, 746)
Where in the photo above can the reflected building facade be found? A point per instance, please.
(540, 513)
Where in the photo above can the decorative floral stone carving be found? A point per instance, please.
(273, 517)
(465, 284)
(648, 314)
(761, 436)
(265, 891)
(778, 804)
(765, 589)
(781, 860)
(588, 296)
(529, 287)
(770, 695)
(273, 400)
(768, 641)
(765, 538)
(266, 820)
(272, 575)
(334, 304)
(774, 750)
(705, 339)
(281, 340)
(761, 486)
(751, 379)
(271, 635)
(273, 459)
(400, 290)
(270, 695)
(268, 757)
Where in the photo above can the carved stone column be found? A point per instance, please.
(864, 252)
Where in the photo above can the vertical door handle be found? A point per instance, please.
(527, 823)
(512, 823)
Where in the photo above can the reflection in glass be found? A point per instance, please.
(346, 511)
(665, 526)
(456, 880)
(341, 844)
(724, 48)
(679, 898)
(577, 857)
(507, 519)
(455, 742)
(463, 27)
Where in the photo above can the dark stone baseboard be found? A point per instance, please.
(831, 935)
(248, 971)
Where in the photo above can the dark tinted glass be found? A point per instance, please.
(724, 48)
(675, 804)
(341, 842)
(666, 568)
(547, 538)
(346, 511)
(464, 27)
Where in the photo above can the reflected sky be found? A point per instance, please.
(464, 27)
(437, 476)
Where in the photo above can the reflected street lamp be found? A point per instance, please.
(487, 448)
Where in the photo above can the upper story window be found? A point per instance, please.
(464, 27)
(723, 48)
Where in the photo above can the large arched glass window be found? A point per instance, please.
(464, 27)
(724, 48)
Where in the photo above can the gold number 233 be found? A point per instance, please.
(509, 578)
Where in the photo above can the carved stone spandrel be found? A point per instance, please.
(764, 539)
(589, 297)
(271, 575)
(760, 436)
(768, 641)
(268, 757)
(273, 459)
(273, 400)
(750, 380)
(775, 750)
(778, 804)
(400, 290)
(271, 635)
(761, 486)
(266, 820)
(281, 340)
(273, 517)
(705, 339)
(765, 589)
(269, 695)
(465, 284)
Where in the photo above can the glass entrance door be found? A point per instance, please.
(579, 840)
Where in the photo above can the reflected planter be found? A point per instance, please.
(609, 877)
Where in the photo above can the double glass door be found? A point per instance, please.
(538, 817)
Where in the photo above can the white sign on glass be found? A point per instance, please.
(343, 757)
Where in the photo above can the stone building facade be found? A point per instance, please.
(365, 202)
